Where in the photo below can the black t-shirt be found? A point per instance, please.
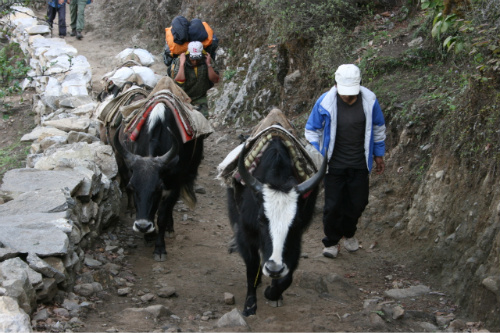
(349, 149)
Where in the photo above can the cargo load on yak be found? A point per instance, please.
(306, 159)
(132, 107)
(178, 36)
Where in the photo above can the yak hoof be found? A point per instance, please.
(276, 304)
(273, 300)
(170, 234)
(250, 306)
(160, 257)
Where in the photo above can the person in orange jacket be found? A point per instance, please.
(195, 72)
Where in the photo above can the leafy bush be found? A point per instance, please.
(469, 26)
(332, 50)
(309, 19)
(13, 69)
(228, 74)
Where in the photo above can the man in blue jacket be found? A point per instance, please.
(346, 122)
(57, 7)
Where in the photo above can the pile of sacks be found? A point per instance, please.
(68, 191)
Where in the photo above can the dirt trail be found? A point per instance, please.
(326, 295)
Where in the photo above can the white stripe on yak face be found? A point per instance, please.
(280, 209)
(156, 115)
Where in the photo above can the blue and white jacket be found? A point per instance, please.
(321, 127)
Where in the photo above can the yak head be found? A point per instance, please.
(147, 177)
(278, 197)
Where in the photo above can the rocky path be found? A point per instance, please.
(202, 288)
(200, 285)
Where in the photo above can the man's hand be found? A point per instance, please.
(61, 2)
(208, 60)
(182, 58)
(380, 165)
(212, 74)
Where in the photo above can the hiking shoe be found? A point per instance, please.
(73, 33)
(79, 35)
(351, 244)
(331, 251)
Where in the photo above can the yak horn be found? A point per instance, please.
(169, 155)
(312, 182)
(127, 156)
(251, 181)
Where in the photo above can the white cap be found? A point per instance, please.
(195, 50)
(348, 80)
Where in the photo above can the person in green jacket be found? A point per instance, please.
(194, 72)
(77, 13)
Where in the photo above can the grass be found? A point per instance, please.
(13, 156)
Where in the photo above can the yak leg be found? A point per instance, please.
(274, 292)
(254, 272)
(165, 224)
(253, 280)
(168, 205)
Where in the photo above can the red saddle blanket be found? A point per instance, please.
(190, 123)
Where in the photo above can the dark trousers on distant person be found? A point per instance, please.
(61, 13)
(346, 196)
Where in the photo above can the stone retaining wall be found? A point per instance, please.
(68, 191)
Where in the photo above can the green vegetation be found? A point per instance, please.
(228, 74)
(470, 27)
(13, 62)
(319, 29)
(13, 69)
(308, 19)
(10, 158)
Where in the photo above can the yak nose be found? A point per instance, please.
(273, 269)
(144, 226)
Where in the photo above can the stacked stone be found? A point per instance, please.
(68, 191)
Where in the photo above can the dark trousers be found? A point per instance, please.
(346, 196)
(61, 13)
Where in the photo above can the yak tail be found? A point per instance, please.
(188, 195)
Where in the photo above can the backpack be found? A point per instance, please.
(180, 30)
(196, 30)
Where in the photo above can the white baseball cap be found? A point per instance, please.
(195, 50)
(348, 79)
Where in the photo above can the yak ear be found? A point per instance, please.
(121, 149)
